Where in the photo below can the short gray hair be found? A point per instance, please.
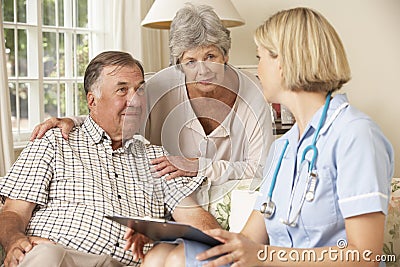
(93, 78)
(196, 26)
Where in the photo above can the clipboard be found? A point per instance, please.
(163, 230)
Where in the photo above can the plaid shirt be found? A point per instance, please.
(76, 182)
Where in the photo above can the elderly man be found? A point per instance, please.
(58, 192)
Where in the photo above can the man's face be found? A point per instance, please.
(121, 97)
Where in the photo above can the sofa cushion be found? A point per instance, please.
(2, 255)
(220, 199)
(392, 231)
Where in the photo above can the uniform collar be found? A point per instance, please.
(336, 102)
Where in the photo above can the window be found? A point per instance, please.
(47, 50)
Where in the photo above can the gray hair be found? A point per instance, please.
(196, 26)
(93, 78)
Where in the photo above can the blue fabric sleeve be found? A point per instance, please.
(365, 168)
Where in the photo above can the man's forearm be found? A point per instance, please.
(206, 221)
(12, 228)
(190, 212)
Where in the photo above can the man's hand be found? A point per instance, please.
(65, 124)
(175, 166)
(135, 243)
(19, 246)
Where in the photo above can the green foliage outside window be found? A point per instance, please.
(53, 45)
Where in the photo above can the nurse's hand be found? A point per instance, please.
(135, 243)
(238, 249)
(175, 166)
(65, 124)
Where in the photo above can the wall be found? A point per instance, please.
(370, 32)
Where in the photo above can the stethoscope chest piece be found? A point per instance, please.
(268, 209)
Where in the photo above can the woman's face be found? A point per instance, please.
(204, 68)
(269, 72)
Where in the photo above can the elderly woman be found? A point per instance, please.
(217, 112)
(212, 118)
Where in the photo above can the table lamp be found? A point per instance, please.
(162, 12)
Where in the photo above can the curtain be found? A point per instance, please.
(6, 140)
(146, 45)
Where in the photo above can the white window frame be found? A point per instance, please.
(35, 71)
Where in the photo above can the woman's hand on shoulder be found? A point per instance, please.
(65, 124)
(175, 166)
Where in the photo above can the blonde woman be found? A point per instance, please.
(326, 181)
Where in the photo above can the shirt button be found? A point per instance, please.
(119, 197)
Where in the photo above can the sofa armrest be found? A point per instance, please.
(220, 200)
(242, 205)
(2, 252)
(391, 245)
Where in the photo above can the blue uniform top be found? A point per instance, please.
(355, 164)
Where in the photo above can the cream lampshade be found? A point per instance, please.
(162, 12)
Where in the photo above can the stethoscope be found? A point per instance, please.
(268, 208)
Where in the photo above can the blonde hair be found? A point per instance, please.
(310, 51)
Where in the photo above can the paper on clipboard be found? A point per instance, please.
(162, 230)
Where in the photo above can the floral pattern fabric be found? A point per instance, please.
(220, 199)
(391, 246)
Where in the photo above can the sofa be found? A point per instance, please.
(233, 209)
